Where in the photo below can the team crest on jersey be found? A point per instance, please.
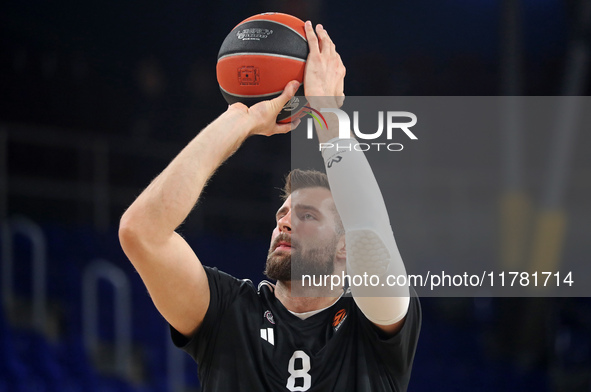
(339, 317)
(269, 316)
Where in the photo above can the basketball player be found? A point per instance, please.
(252, 339)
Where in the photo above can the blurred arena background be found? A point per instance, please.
(95, 100)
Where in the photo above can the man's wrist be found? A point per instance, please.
(238, 121)
(322, 102)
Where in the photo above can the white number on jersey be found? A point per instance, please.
(299, 373)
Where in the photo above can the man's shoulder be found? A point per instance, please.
(220, 280)
(214, 272)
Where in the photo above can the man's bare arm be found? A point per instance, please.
(171, 271)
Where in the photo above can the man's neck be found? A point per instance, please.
(313, 300)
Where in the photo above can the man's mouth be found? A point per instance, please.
(283, 246)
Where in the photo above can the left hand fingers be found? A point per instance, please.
(326, 44)
(312, 38)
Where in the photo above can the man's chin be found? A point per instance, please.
(278, 266)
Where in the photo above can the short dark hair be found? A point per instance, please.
(298, 179)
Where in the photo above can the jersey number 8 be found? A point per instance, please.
(301, 373)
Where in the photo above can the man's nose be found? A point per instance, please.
(284, 223)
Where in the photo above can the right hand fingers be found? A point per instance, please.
(284, 127)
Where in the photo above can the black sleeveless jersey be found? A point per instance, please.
(250, 342)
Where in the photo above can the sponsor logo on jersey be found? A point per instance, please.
(268, 335)
(269, 316)
(339, 317)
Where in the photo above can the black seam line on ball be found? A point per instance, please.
(251, 96)
(262, 54)
(274, 21)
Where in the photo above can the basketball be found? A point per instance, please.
(259, 57)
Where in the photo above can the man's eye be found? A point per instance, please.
(307, 216)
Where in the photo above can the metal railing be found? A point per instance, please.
(30, 230)
(101, 269)
(96, 159)
(92, 157)
(175, 360)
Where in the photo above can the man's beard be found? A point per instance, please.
(313, 262)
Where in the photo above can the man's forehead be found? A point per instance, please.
(316, 197)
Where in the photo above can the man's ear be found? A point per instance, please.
(341, 248)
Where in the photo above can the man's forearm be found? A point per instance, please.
(331, 130)
(371, 247)
(169, 199)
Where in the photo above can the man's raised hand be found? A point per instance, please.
(325, 73)
(262, 117)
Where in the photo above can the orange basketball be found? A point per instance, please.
(259, 57)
